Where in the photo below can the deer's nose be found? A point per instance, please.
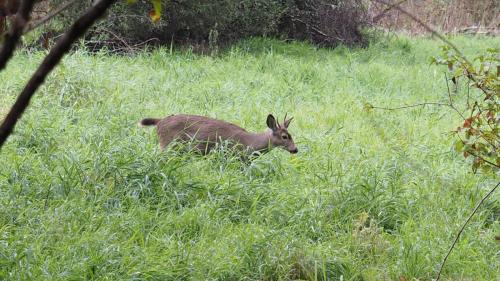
(294, 151)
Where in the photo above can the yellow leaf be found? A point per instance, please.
(155, 14)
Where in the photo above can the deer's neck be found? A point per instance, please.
(257, 142)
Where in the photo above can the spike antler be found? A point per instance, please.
(287, 122)
(278, 124)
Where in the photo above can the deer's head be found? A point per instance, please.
(280, 137)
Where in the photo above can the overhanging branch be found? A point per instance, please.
(463, 227)
(11, 39)
(55, 55)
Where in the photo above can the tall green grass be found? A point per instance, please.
(372, 195)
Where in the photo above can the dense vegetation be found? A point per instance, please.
(212, 23)
(372, 195)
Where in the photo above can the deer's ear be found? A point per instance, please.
(271, 122)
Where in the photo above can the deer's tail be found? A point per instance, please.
(149, 122)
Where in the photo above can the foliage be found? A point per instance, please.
(85, 192)
(479, 135)
(324, 22)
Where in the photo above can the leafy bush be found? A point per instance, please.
(479, 135)
(324, 22)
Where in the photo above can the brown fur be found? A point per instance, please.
(208, 132)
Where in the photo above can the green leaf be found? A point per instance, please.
(459, 145)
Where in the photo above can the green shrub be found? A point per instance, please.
(211, 23)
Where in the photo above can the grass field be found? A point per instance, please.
(85, 194)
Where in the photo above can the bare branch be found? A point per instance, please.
(450, 105)
(450, 100)
(468, 95)
(53, 13)
(477, 156)
(381, 14)
(118, 38)
(463, 227)
(485, 160)
(410, 106)
(315, 29)
(11, 39)
(62, 46)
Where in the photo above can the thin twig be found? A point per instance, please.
(381, 14)
(448, 87)
(450, 99)
(468, 95)
(315, 29)
(11, 39)
(410, 106)
(145, 42)
(119, 39)
(485, 160)
(471, 77)
(420, 104)
(462, 229)
(477, 156)
(55, 55)
(53, 13)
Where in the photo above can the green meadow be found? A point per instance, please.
(86, 194)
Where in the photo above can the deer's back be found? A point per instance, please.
(203, 129)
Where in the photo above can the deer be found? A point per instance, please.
(208, 132)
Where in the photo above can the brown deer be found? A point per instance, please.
(208, 132)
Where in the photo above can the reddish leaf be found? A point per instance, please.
(468, 122)
(155, 17)
(490, 114)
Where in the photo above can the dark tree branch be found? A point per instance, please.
(53, 13)
(11, 39)
(463, 227)
(485, 160)
(62, 46)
